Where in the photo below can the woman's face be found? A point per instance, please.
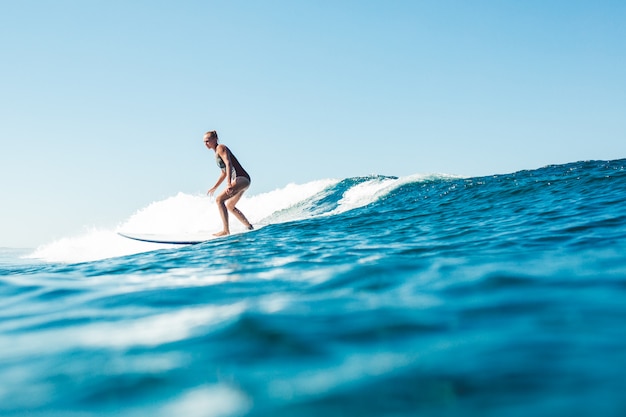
(210, 141)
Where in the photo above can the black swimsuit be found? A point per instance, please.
(236, 168)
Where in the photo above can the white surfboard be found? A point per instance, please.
(171, 239)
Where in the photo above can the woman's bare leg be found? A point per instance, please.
(226, 202)
(238, 214)
(221, 207)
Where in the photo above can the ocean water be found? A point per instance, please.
(426, 295)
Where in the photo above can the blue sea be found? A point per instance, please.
(427, 295)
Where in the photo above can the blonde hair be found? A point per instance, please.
(212, 133)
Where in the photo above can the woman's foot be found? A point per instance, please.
(222, 233)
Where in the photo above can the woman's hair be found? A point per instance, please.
(212, 133)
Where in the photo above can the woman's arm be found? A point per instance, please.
(217, 184)
(224, 153)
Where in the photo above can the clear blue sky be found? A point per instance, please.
(104, 103)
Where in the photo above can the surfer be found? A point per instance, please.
(237, 182)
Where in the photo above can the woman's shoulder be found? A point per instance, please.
(221, 147)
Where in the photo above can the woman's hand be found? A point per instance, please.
(231, 186)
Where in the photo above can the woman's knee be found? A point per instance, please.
(230, 205)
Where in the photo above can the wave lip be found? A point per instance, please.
(195, 215)
(180, 214)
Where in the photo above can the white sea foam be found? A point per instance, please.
(180, 214)
(369, 191)
(185, 214)
(363, 194)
